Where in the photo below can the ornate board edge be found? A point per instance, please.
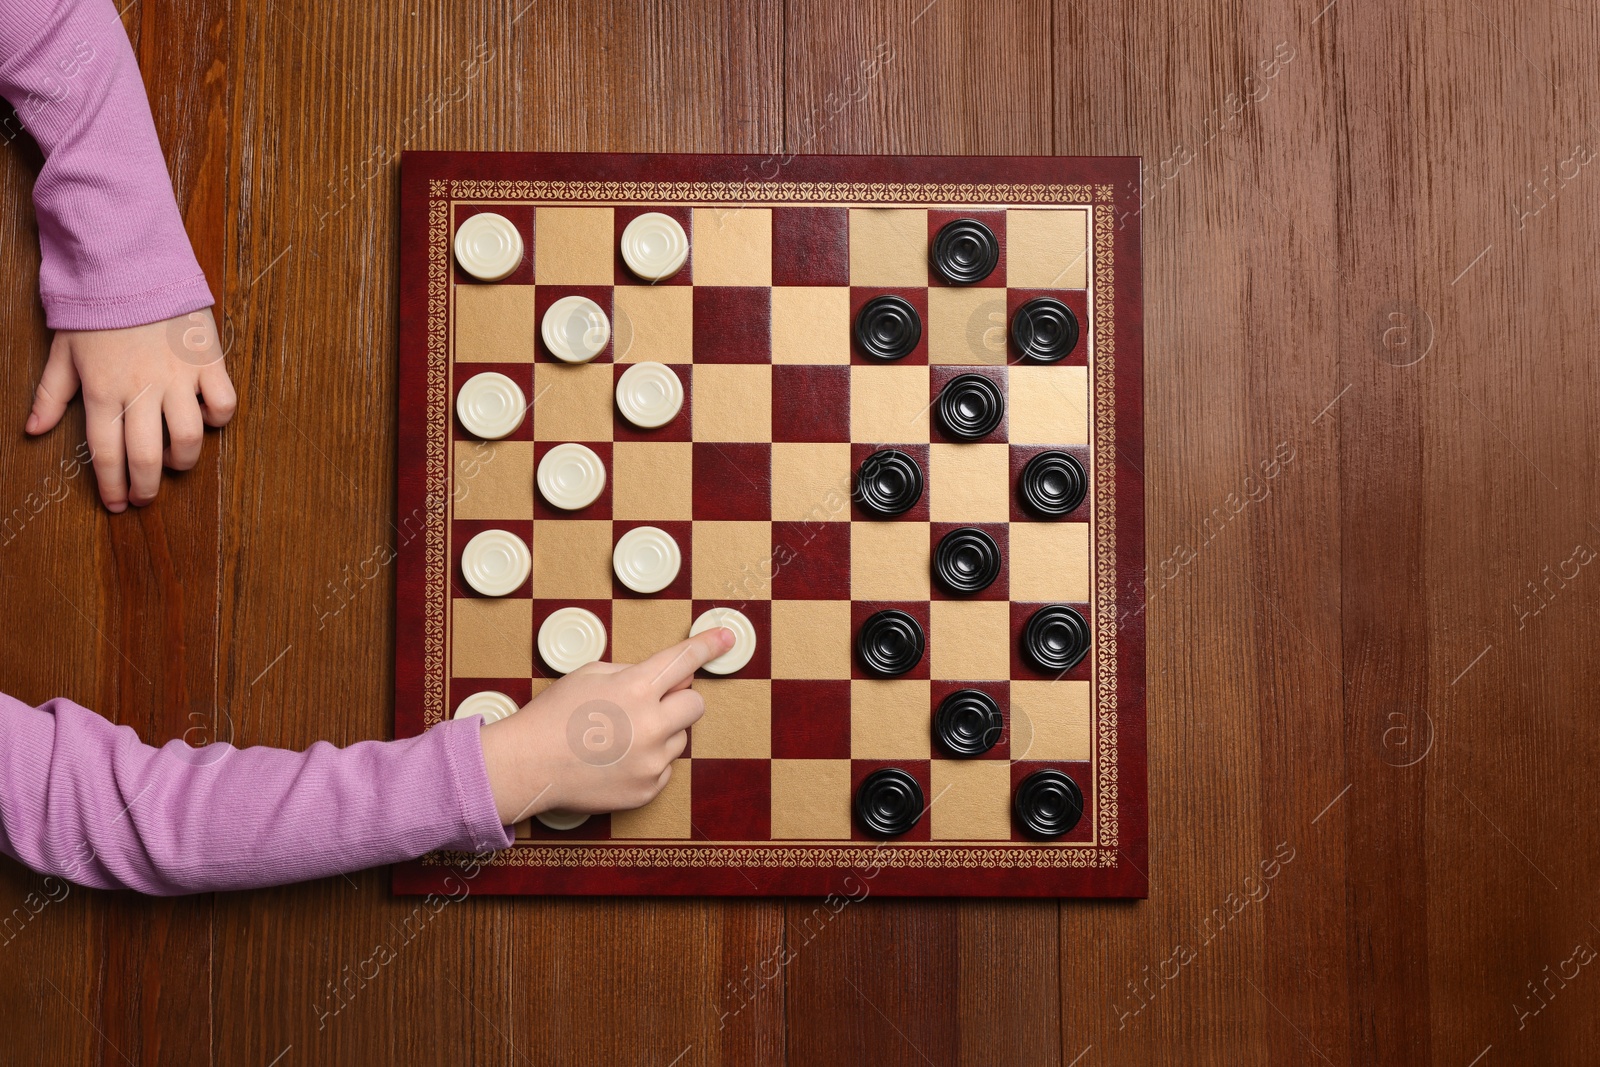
(1119, 700)
(773, 192)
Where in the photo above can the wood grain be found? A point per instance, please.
(1378, 665)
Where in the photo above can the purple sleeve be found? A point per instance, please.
(83, 799)
(114, 251)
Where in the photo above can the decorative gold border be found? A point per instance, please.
(775, 192)
(437, 463)
(1104, 852)
(1103, 410)
(783, 856)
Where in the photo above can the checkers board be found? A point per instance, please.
(758, 481)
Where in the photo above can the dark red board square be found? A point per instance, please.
(520, 216)
(732, 481)
(1022, 669)
(1020, 455)
(1080, 773)
(600, 509)
(918, 511)
(464, 530)
(920, 769)
(733, 324)
(759, 612)
(810, 403)
(1001, 691)
(543, 609)
(995, 220)
(595, 828)
(545, 295)
(1076, 299)
(810, 246)
(811, 561)
(731, 800)
(861, 610)
(521, 373)
(939, 377)
(810, 720)
(1001, 532)
(625, 215)
(919, 299)
(681, 532)
(679, 429)
(518, 689)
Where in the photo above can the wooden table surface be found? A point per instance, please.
(1368, 247)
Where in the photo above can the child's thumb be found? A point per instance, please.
(57, 386)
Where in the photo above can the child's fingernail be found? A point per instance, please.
(33, 423)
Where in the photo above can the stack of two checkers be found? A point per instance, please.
(571, 476)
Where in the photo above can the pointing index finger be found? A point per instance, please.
(676, 664)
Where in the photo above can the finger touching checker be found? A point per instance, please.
(885, 432)
(744, 638)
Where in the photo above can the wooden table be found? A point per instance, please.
(1369, 239)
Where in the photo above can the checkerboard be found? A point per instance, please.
(754, 478)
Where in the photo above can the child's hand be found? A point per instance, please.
(603, 738)
(133, 379)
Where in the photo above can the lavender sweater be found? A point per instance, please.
(80, 797)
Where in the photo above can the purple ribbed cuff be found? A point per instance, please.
(63, 312)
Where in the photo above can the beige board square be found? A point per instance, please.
(890, 719)
(1050, 561)
(641, 628)
(971, 800)
(811, 639)
(572, 559)
(494, 480)
(495, 324)
(653, 322)
(491, 638)
(967, 326)
(890, 560)
(652, 480)
(732, 246)
(732, 561)
(811, 482)
(738, 719)
(572, 403)
(889, 404)
(732, 402)
(1047, 249)
(810, 324)
(1050, 720)
(573, 246)
(888, 246)
(1049, 406)
(667, 816)
(969, 483)
(811, 799)
(970, 640)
